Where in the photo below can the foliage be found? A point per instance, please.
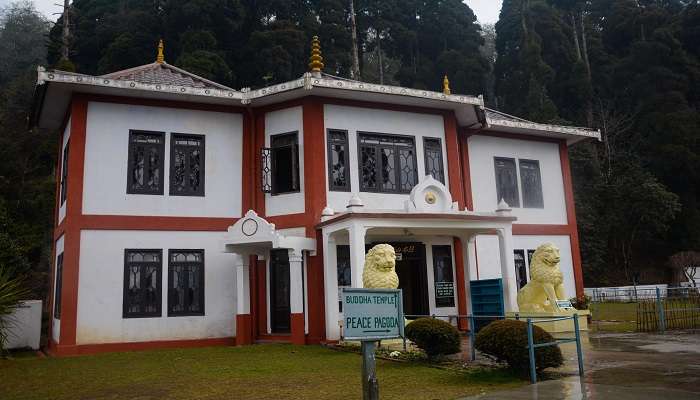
(12, 291)
(688, 263)
(506, 340)
(434, 336)
(581, 303)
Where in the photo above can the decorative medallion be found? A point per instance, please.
(430, 198)
(250, 227)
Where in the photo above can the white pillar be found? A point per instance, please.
(510, 291)
(357, 253)
(467, 245)
(243, 284)
(330, 283)
(296, 282)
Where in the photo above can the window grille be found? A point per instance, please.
(142, 283)
(185, 282)
(187, 165)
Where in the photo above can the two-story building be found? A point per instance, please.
(189, 213)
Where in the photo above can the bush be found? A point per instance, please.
(506, 340)
(434, 336)
(581, 303)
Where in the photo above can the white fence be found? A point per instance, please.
(25, 326)
(625, 293)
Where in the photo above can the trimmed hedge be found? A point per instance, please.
(434, 336)
(506, 340)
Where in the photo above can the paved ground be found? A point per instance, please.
(623, 366)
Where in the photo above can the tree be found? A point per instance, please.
(687, 263)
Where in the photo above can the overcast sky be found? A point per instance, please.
(486, 10)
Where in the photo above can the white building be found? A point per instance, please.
(190, 213)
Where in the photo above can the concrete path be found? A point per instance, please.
(623, 366)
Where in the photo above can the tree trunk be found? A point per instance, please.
(65, 33)
(380, 60)
(355, 72)
(589, 101)
(576, 44)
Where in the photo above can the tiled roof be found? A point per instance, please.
(164, 74)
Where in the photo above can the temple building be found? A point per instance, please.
(189, 213)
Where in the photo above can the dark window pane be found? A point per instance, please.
(507, 181)
(187, 165)
(58, 288)
(186, 282)
(64, 174)
(339, 175)
(520, 269)
(142, 283)
(531, 182)
(343, 265)
(145, 168)
(389, 159)
(285, 163)
(444, 281)
(433, 159)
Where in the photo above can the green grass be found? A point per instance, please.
(252, 372)
(614, 317)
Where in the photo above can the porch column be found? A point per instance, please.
(357, 253)
(510, 291)
(330, 278)
(296, 296)
(244, 323)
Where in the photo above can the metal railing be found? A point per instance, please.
(531, 345)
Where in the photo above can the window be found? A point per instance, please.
(280, 164)
(186, 165)
(338, 171)
(507, 181)
(142, 283)
(64, 174)
(531, 183)
(520, 268)
(433, 158)
(58, 288)
(343, 265)
(444, 281)
(145, 169)
(186, 282)
(387, 163)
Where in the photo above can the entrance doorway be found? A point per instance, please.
(413, 277)
(279, 291)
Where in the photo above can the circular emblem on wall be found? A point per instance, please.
(250, 227)
(430, 198)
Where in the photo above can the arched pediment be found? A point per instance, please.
(430, 196)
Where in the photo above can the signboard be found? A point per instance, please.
(565, 304)
(372, 314)
(444, 289)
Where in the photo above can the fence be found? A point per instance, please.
(531, 346)
(646, 309)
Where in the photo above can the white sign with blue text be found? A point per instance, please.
(372, 314)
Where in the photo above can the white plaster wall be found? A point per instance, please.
(62, 207)
(354, 119)
(56, 323)
(285, 121)
(101, 285)
(331, 301)
(106, 159)
(489, 260)
(483, 149)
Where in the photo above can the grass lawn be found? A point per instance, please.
(614, 317)
(275, 371)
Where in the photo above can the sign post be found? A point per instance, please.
(370, 315)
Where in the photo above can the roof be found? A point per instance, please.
(164, 74)
(500, 121)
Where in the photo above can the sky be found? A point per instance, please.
(486, 10)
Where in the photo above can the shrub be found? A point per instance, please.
(581, 303)
(506, 340)
(12, 292)
(434, 336)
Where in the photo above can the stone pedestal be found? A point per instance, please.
(556, 326)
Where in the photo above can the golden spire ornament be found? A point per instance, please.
(316, 60)
(160, 59)
(446, 85)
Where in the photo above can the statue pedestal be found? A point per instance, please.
(556, 326)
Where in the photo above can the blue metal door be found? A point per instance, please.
(487, 300)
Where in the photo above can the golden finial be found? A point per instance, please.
(446, 85)
(316, 59)
(161, 58)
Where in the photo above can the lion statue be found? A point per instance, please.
(379, 271)
(546, 282)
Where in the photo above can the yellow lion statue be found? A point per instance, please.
(546, 284)
(379, 271)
